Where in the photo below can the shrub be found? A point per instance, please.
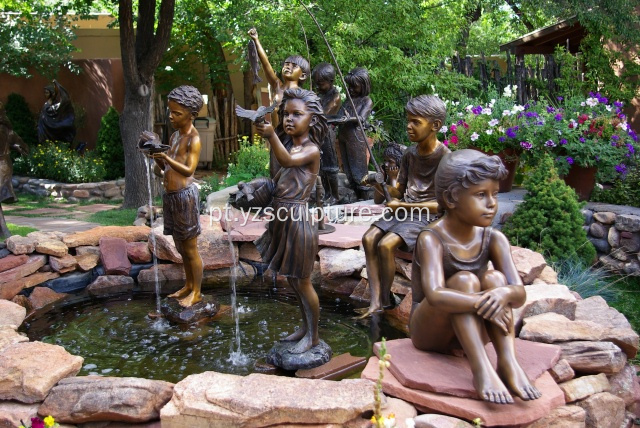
(209, 185)
(58, 161)
(22, 120)
(549, 220)
(109, 144)
(625, 190)
(251, 161)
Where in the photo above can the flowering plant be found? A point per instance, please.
(47, 422)
(583, 131)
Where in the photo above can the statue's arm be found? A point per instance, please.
(271, 76)
(500, 256)
(189, 166)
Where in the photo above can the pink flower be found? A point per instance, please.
(453, 139)
(453, 129)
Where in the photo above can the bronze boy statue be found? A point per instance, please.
(413, 193)
(295, 70)
(323, 76)
(456, 299)
(391, 157)
(181, 200)
(353, 145)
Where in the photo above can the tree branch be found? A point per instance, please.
(528, 24)
(127, 41)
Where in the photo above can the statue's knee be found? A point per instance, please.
(370, 239)
(492, 279)
(464, 281)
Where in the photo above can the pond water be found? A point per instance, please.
(117, 338)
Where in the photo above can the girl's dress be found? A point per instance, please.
(290, 243)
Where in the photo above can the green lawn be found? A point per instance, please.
(115, 217)
(19, 230)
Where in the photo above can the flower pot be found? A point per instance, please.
(581, 179)
(510, 160)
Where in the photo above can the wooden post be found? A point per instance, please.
(483, 73)
(520, 78)
(509, 70)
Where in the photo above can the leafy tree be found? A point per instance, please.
(22, 119)
(549, 220)
(109, 144)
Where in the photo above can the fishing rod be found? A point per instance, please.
(379, 176)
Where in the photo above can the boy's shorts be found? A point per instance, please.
(181, 210)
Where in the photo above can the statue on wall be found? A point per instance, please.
(323, 76)
(457, 300)
(57, 118)
(295, 70)
(9, 140)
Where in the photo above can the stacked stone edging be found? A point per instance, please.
(615, 232)
(90, 192)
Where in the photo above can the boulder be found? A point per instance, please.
(12, 261)
(71, 282)
(613, 238)
(88, 249)
(88, 261)
(404, 267)
(223, 400)
(95, 398)
(110, 284)
(562, 417)
(13, 412)
(64, 264)
(20, 244)
(52, 247)
(29, 370)
(10, 289)
(605, 217)
(626, 222)
(583, 387)
(439, 421)
(335, 263)
(9, 336)
(551, 328)
(593, 357)
(342, 285)
(171, 277)
(40, 235)
(399, 316)
(113, 256)
(43, 296)
(597, 310)
(34, 263)
(138, 252)
(400, 285)
(11, 314)
(23, 301)
(400, 409)
(623, 384)
(548, 275)
(597, 230)
(562, 371)
(603, 410)
(248, 251)
(362, 291)
(530, 264)
(92, 236)
(543, 298)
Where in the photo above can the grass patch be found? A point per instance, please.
(20, 230)
(587, 281)
(115, 217)
(628, 302)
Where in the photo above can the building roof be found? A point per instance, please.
(544, 41)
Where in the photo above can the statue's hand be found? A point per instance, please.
(264, 129)
(253, 33)
(492, 303)
(392, 172)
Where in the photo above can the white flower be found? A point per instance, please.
(474, 136)
(623, 126)
(582, 104)
(489, 131)
(460, 114)
(469, 107)
(444, 129)
(492, 102)
(506, 113)
(608, 107)
(410, 423)
(494, 122)
(389, 422)
(559, 132)
(487, 111)
(591, 102)
(168, 68)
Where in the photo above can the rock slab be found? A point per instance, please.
(447, 374)
(92, 236)
(113, 256)
(520, 413)
(204, 310)
(212, 400)
(105, 285)
(96, 398)
(22, 374)
(11, 314)
(280, 356)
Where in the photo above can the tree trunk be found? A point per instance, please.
(4, 230)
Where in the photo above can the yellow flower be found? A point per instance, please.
(49, 421)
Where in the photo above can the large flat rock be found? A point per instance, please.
(95, 398)
(345, 236)
(29, 370)
(11, 314)
(593, 357)
(520, 413)
(447, 374)
(213, 399)
(543, 298)
(32, 264)
(113, 256)
(92, 236)
(9, 336)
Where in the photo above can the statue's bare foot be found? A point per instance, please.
(303, 345)
(295, 336)
(190, 300)
(517, 381)
(490, 388)
(183, 292)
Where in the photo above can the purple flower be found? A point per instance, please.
(569, 160)
(531, 114)
(525, 145)
(563, 141)
(550, 143)
(618, 104)
(633, 135)
(37, 423)
(582, 140)
(632, 149)
(560, 98)
(511, 133)
(615, 137)
(550, 109)
(592, 95)
(603, 100)
(502, 139)
(558, 117)
(621, 169)
(476, 110)
(622, 116)
(597, 158)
